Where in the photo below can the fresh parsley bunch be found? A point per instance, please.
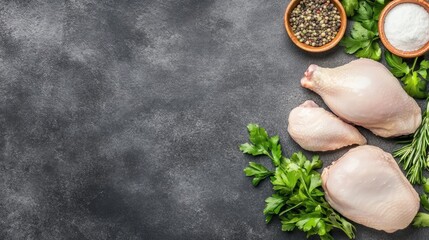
(363, 40)
(298, 198)
(414, 79)
(422, 219)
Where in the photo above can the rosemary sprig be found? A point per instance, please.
(414, 155)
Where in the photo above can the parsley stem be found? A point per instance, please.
(306, 189)
(272, 159)
(414, 64)
(287, 210)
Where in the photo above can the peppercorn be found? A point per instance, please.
(315, 22)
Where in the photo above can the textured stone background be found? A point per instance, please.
(122, 119)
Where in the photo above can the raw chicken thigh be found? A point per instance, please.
(316, 129)
(365, 93)
(367, 186)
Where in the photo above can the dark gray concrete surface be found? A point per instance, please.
(122, 119)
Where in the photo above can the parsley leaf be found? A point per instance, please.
(363, 38)
(252, 149)
(362, 32)
(378, 6)
(369, 10)
(426, 185)
(372, 51)
(299, 200)
(361, 42)
(364, 12)
(424, 67)
(413, 80)
(397, 66)
(316, 163)
(258, 172)
(283, 182)
(287, 227)
(352, 44)
(421, 220)
(274, 204)
(276, 149)
(423, 73)
(414, 86)
(315, 182)
(350, 6)
(262, 144)
(424, 64)
(381, 2)
(424, 201)
(257, 135)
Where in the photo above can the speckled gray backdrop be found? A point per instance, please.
(122, 119)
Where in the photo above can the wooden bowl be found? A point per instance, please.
(308, 48)
(386, 43)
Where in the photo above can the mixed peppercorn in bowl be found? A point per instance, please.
(315, 25)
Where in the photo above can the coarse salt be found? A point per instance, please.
(407, 27)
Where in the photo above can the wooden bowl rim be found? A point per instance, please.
(383, 38)
(292, 4)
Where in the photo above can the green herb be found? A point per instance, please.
(424, 201)
(258, 172)
(363, 38)
(350, 6)
(426, 185)
(422, 219)
(299, 198)
(413, 155)
(414, 80)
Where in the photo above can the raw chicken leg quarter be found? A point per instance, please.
(367, 186)
(365, 93)
(316, 129)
